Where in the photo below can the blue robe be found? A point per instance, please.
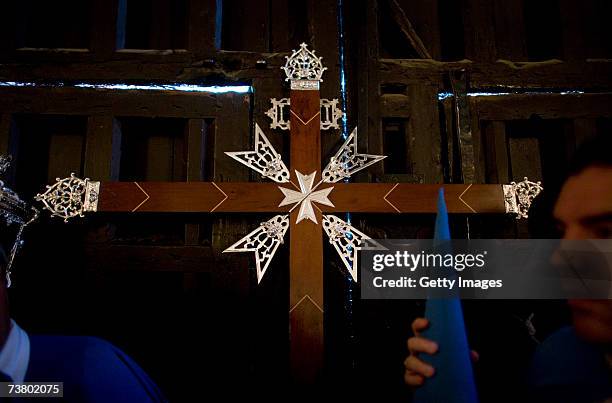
(567, 369)
(93, 370)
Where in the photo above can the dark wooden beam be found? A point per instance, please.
(395, 105)
(103, 141)
(81, 101)
(107, 28)
(479, 31)
(546, 106)
(424, 133)
(509, 24)
(407, 29)
(204, 27)
(554, 74)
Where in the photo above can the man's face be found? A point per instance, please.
(584, 211)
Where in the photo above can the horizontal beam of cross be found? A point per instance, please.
(208, 197)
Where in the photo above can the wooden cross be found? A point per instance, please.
(73, 196)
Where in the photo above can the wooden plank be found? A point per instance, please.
(246, 25)
(232, 132)
(479, 31)
(103, 133)
(525, 158)
(194, 151)
(306, 242)
(194, 140)
(546, 106)
(424, 16)
(107, 28)
(204, 27)
(591, 74)
(496, 152)
(510, 30)
(279, 26)
(232, 197)
(447, 109)
(81, 101)
(408, 30)
(65, 155)
(160, 33)
(573, 30)
(395, 105)
(135, 65)
(369, 86)
(584, 130)
(160, 158)
(179, 157)
(424, 133)
(479, 162)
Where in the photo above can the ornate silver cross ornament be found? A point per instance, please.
(70, 197)
(278, 113)
(519, 196)
(306, 196)
(14, 210)
(304, 69)
(265, 240)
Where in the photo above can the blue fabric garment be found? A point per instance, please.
(567, 369)
(453, 381)
(93, 370)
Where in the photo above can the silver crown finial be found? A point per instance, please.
(519, 196)
(304, 69)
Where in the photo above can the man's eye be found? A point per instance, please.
(603, 231)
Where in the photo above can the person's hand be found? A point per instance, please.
(418, 370)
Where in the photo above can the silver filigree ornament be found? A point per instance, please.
(347, 161)
(279, 112)
(264, 241)
(70, 197)
(263, 159)
(519, 196)
(13, 210)
(347, 240)
(304, 69)
(330, 114)
(305, 197)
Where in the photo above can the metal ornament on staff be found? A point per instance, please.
(13, 211)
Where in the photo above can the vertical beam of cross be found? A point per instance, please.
(306, 241)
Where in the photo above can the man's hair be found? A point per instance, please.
(596, 152)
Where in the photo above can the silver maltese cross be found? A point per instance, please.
(306, 196)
